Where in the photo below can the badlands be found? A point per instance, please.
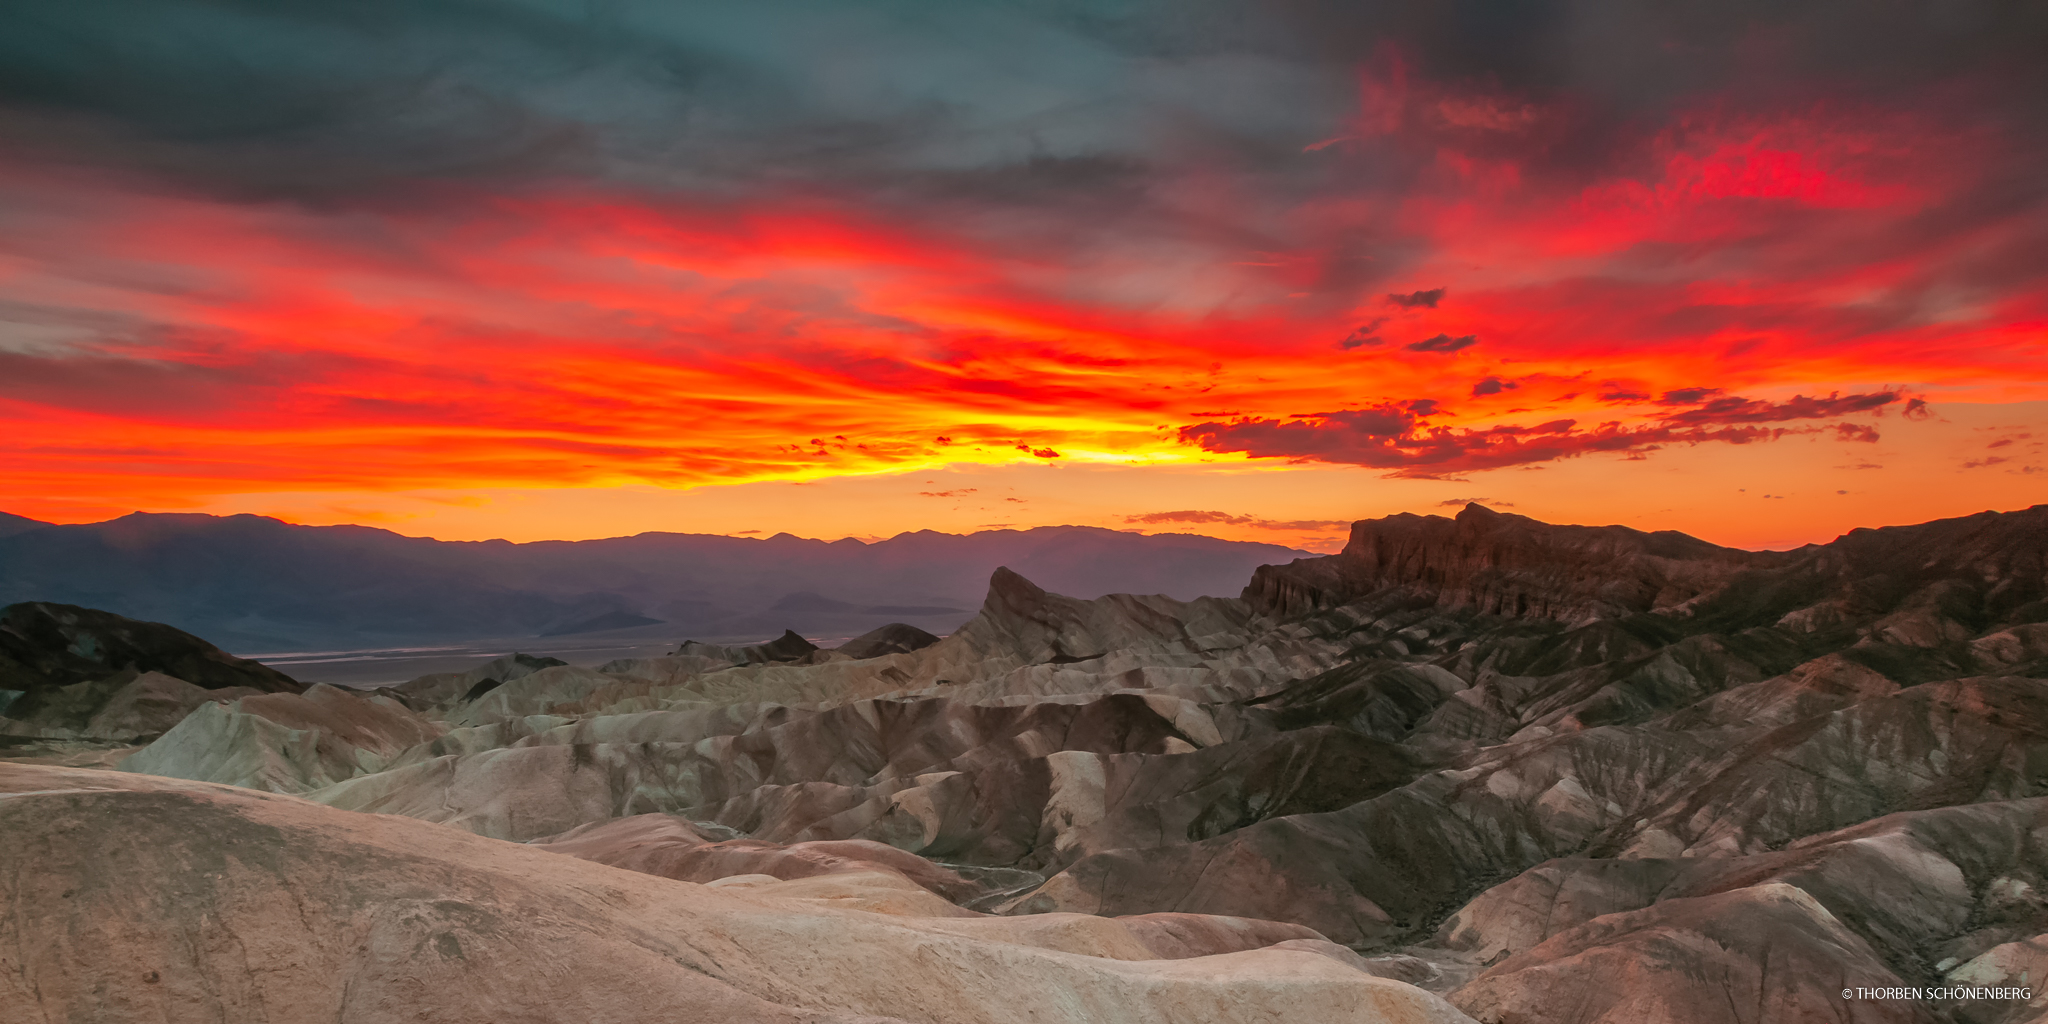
(1481, 768)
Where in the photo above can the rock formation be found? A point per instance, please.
(285, 742)
(787, 647)
(44, 646)
(1501, 564)
(894, 638)
(70, 673)
(439, 689)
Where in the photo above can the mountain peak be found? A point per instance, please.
(11, 524)
(1006, 578)
(1010, 594)
(1474, 512)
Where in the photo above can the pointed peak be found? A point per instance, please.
(1006, 582)
(1475, 512)
(1010, 594)
(787, 647)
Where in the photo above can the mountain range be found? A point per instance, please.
(256, 584)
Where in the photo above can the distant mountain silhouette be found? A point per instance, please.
(13, 524)
(254, 584)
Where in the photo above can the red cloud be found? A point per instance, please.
(1745, 410)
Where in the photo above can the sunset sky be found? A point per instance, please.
(489, 268)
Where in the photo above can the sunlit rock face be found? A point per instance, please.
(1541, 772)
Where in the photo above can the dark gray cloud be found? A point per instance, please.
(318, 98)
(1688, 396)
(1442, 343)
(1426, 299)
(1004, 97)
(1133, 132)
(1363, 336)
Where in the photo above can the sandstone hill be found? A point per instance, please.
(1544, 773)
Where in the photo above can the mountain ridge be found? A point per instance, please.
(254, 582)
(1513, 566)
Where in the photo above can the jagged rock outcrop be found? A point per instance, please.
(1022, 620)
(44, 646)
(894, 638)
(787, 647)
(1921, 586)
(79, 674)
(1497, 563)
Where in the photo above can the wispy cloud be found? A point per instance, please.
(1198, 518)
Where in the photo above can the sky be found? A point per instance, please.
(1761, 272)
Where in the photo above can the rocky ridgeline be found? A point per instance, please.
(1531, 772)
(1506, 565)
(77, 674)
